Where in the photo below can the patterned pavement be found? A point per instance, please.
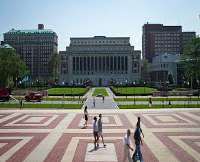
(57, 136)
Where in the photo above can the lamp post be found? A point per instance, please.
(198, 91)
(134, 91)
(126, 88)
(121, 87)
(188, 85)
(144, 87)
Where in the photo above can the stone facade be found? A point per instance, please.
(35, 48)
(100, 60)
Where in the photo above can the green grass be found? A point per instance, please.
(157, 106)
(67, 91)
(157, 99)
(133, 90)
(59, 106)
(100, 91)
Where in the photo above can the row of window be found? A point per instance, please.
(104, 63)
(93, 73)
(84, 42)
(99, 48)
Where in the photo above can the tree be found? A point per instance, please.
(191, 60)
(145, 72)
(11, 67)
(54, 66)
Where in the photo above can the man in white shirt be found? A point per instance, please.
(127, 147)
(95, 132)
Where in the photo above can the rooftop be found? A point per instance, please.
(33, 31)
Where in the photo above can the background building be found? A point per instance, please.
(160, 39)
(100, 60)
(35, 48)
(164, 68)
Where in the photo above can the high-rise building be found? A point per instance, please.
(158, 39)
(100, 60)
(186, 38)
(35, 48)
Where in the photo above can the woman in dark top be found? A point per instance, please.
(85, 116)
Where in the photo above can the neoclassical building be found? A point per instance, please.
(101, 60)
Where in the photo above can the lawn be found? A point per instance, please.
(69, 91)
(30, 105)
(100, 91)
(157, 106)
(158, 99)
(123, 91)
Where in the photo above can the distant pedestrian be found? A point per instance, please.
(137, 137)
(150, 102)
(103, 98)
(127, 147)
(95, 132)
(21, 103)
(100, 133)
(170, 103)
(85, 116)
(94, 102)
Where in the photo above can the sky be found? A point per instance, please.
(88, 18)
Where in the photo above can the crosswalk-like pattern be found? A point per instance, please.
(59, 136)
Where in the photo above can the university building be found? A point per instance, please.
(35, 48)
(100, 60)
(159, 39)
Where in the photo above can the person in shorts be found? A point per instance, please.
(138, 141)
(95, 132)
(127, 147)
(140, 126)
(100, 133)
(85, 116)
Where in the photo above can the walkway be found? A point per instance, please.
(108, 103)
(56, 136)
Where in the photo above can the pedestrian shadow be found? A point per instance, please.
(100, 147)
(92, 150)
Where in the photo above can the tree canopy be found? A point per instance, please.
(11, 67)
(54, 66)
(191, 59)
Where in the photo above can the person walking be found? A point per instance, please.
(103, 98)
(138, 141)
(95, 132)
(21, 103)
(100, 133)
(140, 126)
(85, 116)
(150, 102)
(94, 102)
(127, 147)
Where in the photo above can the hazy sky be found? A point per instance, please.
(84, 18)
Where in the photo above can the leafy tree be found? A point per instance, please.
(191, 60)
(145, 72)
(11, 67)
(54, 66)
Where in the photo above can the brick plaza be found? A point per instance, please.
(57, 135)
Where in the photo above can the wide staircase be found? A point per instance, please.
(108, 102)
